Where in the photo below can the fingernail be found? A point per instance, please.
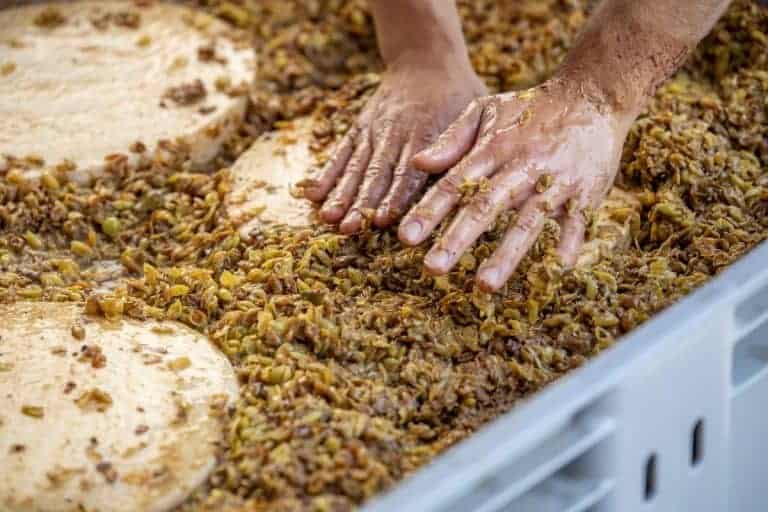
(385, 217)
(411, 231)
(381, 215)
(437, 260)
(351, 222)
(331, 213)
(307, 183)
(488, 278)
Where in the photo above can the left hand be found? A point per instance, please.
(552, 151)
(370, 174)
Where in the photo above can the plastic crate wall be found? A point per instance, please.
(672, 418)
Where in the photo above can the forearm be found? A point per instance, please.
(629, 47)
(419, 31)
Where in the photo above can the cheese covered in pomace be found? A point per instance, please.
(86, 86)
(105, 416)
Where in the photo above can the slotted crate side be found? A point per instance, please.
(663, 398)
(670, 419)
(749, 425)
(749, 396)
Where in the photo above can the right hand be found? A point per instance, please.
(551, 151)
(370, 174)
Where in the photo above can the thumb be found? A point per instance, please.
(453, 143)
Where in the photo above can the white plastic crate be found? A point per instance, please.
(673, 418)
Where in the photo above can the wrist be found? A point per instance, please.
(582, 94)
(418, 32)
(625, 52)
(583, 84)
(434, 60)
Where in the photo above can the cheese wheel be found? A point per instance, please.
(92, 84)
(106, 417)
(265, 176)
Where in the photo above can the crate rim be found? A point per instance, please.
(459, 467)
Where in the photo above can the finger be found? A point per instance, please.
(440, 199)
(407, 181)
(342, 195)
(316, 189)
(519, 239)
(572, 229)
(453, 143)
(504, 190)
(377, 179)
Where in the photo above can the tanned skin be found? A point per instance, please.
(432, 115)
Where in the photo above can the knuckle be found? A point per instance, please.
(425, 138)
(414, 181)
(356, 163)
(364, 198)
(359, 137)
(375, 181)
(482, 206)
(403, 172)
(422, 212)
(337, 199)
(385, 125)
(375, 169)
(352, 134)
(449, 184)
(526, 222)
(419, 113)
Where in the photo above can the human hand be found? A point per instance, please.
(551, 151)
(370, 174)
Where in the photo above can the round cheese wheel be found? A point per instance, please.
(105, 416)
(91, 84)
(265, 176)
